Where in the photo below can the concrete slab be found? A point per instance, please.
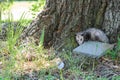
(93, 49)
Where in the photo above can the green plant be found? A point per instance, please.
(13, 33)
(49, 77)
(37, 6)
(4, 5)
(10, 49)
(61, 75)
(116, 78)
(115, 53)
(118, 45)
(42, 38)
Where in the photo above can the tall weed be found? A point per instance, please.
(10, 49)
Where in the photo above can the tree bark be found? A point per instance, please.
(111, 22)
(63, 18)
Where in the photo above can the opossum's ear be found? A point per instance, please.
(82, 34)
(79, 33)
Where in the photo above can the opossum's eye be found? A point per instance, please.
(81, 39)
(77, 37)
(82, 34)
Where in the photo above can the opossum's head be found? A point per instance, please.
(79, 38)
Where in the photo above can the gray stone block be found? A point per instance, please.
(93, 49)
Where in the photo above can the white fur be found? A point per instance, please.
(95, 35)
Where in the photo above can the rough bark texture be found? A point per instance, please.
(63, 18)
(111, 23)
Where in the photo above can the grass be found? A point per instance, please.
(17, 64)
(27, 60)
(22, 61)
(19, 60)
(37, 6)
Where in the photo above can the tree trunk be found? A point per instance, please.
(63, 18)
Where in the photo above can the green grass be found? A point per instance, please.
(16, 66)
(16, 63)
(114, 54)
(37, 6)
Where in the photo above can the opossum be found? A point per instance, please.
(91, 34)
